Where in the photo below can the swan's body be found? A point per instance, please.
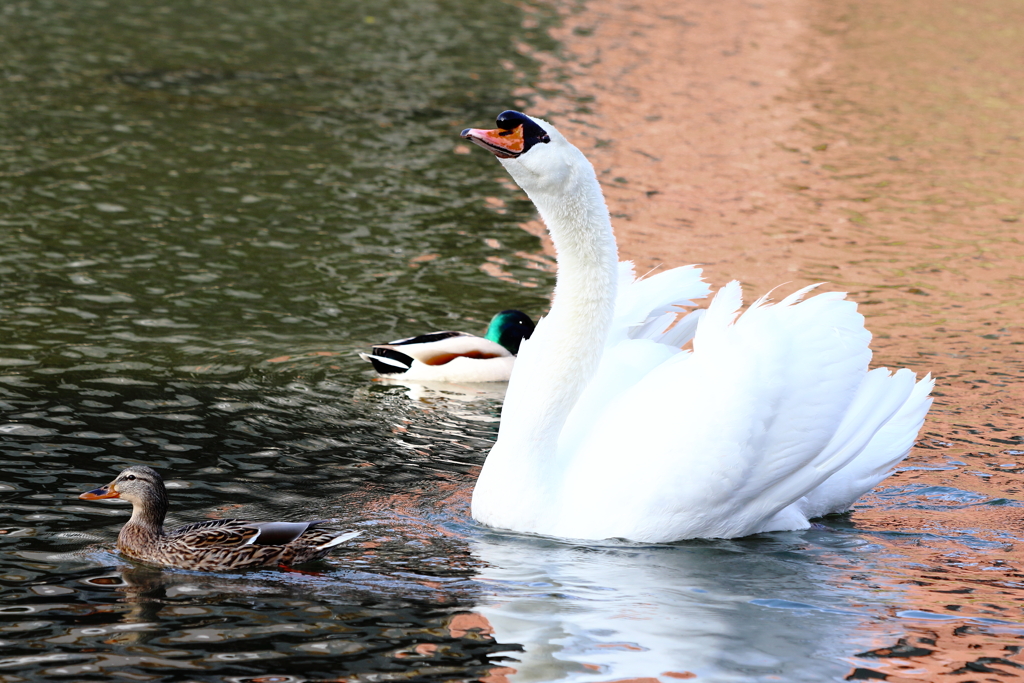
(610, 430)
(455, 356)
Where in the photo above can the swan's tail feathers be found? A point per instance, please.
(877, 400)
(886, 448)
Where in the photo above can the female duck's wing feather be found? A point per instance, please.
(232, 533)
(238, 544)
(237, 532)
(765, 409)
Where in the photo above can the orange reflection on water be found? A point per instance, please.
(878, 147)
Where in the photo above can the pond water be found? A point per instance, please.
(207, 210)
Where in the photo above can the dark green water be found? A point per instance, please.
(207, 209)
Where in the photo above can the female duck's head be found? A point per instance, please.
(510, 328)
(139, 485)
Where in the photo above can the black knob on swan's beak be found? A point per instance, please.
(509, 119)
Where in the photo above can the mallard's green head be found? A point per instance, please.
(510, 328)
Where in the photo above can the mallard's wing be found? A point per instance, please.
(429, 351)
(233, 533)
(283, 533)
(387, 361)
(229, 544)
(428, 338)
(442, 347)
(215, 533)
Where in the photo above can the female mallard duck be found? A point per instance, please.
(215, 545)
(455, 356)
(610, 430)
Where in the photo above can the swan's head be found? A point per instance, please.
(536, 155)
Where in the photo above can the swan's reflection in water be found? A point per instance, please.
(757, 609)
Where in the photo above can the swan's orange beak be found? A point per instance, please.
(107, 491)
(505, 144)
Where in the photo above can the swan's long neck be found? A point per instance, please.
(556, 364)
(584, 298)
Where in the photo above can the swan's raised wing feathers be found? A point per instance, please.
(722, 439)
(887, 447)
(641, 302)
(644, 335)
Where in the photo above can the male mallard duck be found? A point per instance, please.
(455, 356)
(208, 546)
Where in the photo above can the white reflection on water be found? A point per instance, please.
(717, 611)
(452, 395)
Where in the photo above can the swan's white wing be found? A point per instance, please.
(665, 329)
(643, 301)
(716, 442)
(622, 366)
(888, 446)
(644, 335)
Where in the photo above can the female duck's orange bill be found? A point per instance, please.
(97, 494)
(506, 144)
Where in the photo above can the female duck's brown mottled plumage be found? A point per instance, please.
(209, 546)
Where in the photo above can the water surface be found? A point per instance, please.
(208, 209)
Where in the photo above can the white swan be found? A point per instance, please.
(609, 430)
